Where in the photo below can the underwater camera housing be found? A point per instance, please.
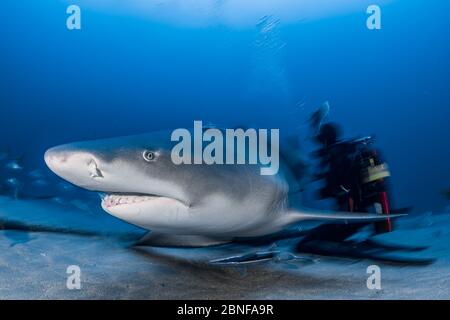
(372, 166)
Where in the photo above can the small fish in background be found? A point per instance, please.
(14, 165)
(15, 185)
(13, 181)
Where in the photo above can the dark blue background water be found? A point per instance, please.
(122, 75)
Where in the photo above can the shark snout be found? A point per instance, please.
(54, 159)
(77, 167)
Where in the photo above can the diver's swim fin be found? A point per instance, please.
(349, 249)
(394, 246)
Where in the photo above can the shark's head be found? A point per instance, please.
(135, 176)
(140, 184)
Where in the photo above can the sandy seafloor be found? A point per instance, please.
(33, 264)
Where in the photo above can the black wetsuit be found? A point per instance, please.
(340, 175)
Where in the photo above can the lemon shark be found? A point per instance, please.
(187, 204)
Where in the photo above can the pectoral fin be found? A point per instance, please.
(157, 239)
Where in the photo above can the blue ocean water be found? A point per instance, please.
(126, 73)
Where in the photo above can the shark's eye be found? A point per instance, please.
(148, 155)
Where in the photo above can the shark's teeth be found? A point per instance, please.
(115, 200)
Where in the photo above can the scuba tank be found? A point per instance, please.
(373, 171)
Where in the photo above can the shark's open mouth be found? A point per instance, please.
(112, 200)
(117, 199)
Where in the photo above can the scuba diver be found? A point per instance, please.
(354, 176)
